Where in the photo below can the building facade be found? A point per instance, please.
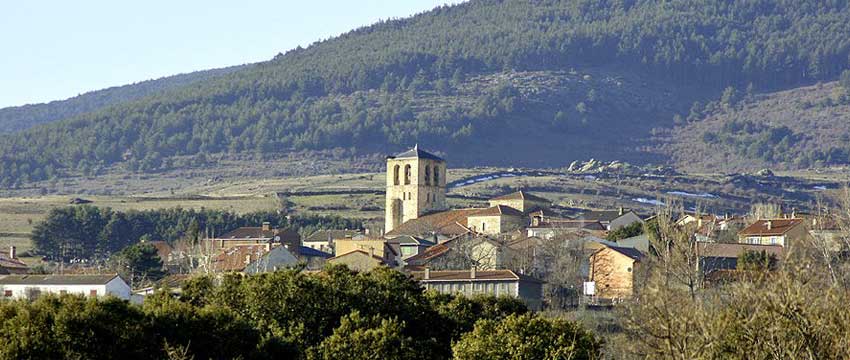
(32, 286)
(477, 282)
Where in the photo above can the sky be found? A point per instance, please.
(56, 49)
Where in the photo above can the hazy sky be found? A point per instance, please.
(57, 49)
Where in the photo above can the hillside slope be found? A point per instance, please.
(798, 128)
(17, 118)
(387, 86)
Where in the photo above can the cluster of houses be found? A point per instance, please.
(502, 249)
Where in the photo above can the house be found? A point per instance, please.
(462, 252)
(323, 240)
(724, 230)
(826, 231)
(484, 282)
(551, 227)
(612, 219)
(612, 270)
(773, 232)
(693, 217)
(358, 260)
(495, 220)
(12, 265)
(444, 225)
(312, 258)
(521, 201)
(408, 246)
(253, 259)
(718, 256)
(264, 234)
(377, 247)
(32, 286)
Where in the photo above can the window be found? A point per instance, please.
(483, 226)
(93, 292)
(7, 293)
(395, 175)
(407, 174)
(427, 175)
(436, 176)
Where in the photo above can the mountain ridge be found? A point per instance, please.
(368, 90)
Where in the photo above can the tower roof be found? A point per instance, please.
(416, 153)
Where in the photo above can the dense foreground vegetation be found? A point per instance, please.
(333, 315)
(89, 232)
(359, 91)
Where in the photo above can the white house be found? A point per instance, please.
(31, 286)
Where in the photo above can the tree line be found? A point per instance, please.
(89, 232)
(324, 96)
(382, 314)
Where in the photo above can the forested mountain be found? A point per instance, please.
(490, 82)
(17, 118)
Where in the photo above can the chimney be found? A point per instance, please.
(472, 273)
(769, 225)
(622, 211)
(427, 274)
(267, 226)
(13, 252)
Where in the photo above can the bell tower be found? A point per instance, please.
(416, 185)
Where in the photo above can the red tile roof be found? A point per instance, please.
(451, 222)
(778, 227)
(233, 258)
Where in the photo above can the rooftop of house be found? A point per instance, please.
(57, 279)
(450, 222)
(9, 263)
(325, 235)
(632, 253)
(410, 240)
(603, 215)
(256, 232)
(467, 275)
(706, 249)
(416, 153)
(356, 253)
(770, 227)
(306, 251)
(569, 224)
(234, 258)
(521, 195)
(497, 211)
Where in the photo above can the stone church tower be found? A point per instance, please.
(416, 185)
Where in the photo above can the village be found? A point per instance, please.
(517, 247)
